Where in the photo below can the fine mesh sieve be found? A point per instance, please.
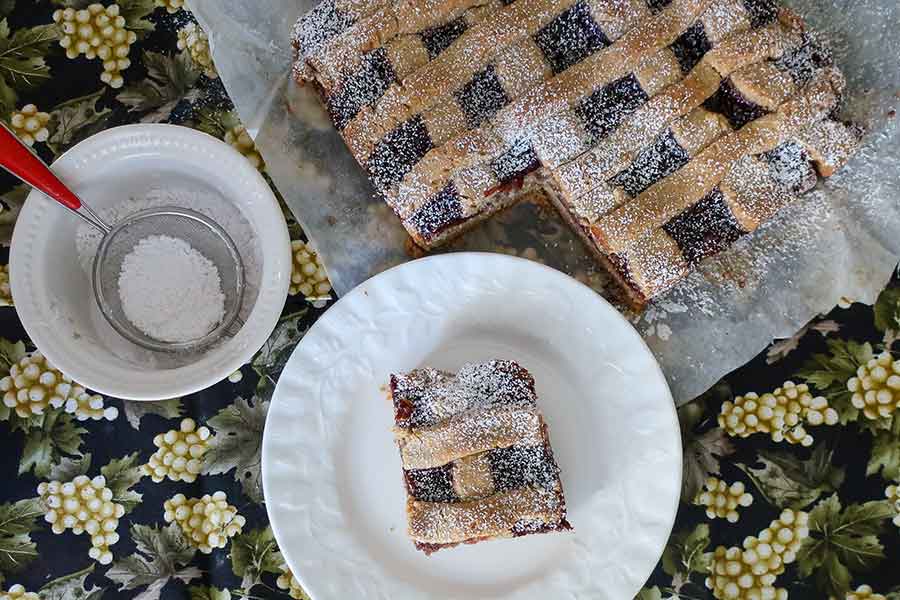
(202, 234)
(199, 231)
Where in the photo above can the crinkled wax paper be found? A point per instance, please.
(842, 240)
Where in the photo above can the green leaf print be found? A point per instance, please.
(649, 594)
(201, 592)
(169, 81)
(254, 553)
(237, 444)
(841, 541)
(162, 555)
(71, 587)
(68, 469)
(885, 456)
(75, 120)
(273, 356)
(686, 553)
(121, 475)
(10, 353)
(10, 202)
(17, 521)
(828, 373)
(167, 409)
(47, 444)
(22, 65)
(134, 12)
(215, 121)
(701, 459)
(887, 310)
(7, 101)
(786, 481)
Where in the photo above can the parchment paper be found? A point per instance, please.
(842, 240)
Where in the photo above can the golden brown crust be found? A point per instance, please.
(764, 85)
(472, 477)
(491, 517)
(698, 129)
(621, 147)
(653, 208)
(605, 66)
(406, 53)
(469, 433)
(752, 194)
(830, 144)
(552, 96)
(452, 68)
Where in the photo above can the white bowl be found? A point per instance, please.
(52, 289)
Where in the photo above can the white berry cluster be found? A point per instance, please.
(5, 290)
(33, 384)
(179, 453)
(786, 534)
(171, 6)
(29, 124)
(208, 522)
(749, 573)
(97, 32)
(193, 39)
(743, 574)
(287, 581)
(893, 496)
(722, 500)
(864, 592)
(781, 414)
(17, 592)
(238, 138)
(89, 406)
(84, 505)
(876, 387)
(308, 276)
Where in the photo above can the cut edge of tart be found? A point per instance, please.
(476, 455)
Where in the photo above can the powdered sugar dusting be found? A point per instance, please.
(437, 395)
(731, 306)
(170, 291)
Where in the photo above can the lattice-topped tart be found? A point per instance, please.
(476, 456)
(663, 130)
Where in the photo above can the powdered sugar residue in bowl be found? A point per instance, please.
(208, 203)
(170, 291)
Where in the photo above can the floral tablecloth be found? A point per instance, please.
(790, 466)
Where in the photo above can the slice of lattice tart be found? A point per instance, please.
(476, 455)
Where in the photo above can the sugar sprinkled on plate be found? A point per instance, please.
(170, 291)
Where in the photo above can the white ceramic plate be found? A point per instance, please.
(53, 292)
(332, 474)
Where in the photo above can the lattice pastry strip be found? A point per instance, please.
(581, 29)
(669, 151)
(674, 194)
(636, 132)
(423, 173)
(571, 132)
(755, 188)
(400, 18)
(355, 74)
(471, 53)
(324, 22)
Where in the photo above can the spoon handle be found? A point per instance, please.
(22, 163)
